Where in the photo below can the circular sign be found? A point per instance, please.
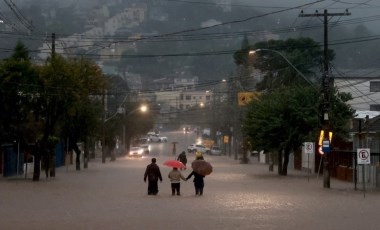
(309, 147)
(363, 155)
(320, 150)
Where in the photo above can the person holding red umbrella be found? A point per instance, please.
(153, 174)
(175, 177)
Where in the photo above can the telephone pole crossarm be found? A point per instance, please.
(324, 14)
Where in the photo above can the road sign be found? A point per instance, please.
(225, 139)
(309, 147)
(326, 146)
(245, 97)
(364, 156)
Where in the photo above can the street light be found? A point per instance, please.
(252, 52)
(143, 109)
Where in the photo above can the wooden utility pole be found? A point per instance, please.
(52, 44)
(326, 86)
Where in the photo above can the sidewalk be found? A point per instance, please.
(262, 170)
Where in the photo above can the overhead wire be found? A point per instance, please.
(195, 37)
(356, 91)
(21, 19)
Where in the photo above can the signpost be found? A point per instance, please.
(363, 158)
(309, 149)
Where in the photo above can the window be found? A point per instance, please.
(374, 107)
(188, 97)
(208, 98)
(374, 86)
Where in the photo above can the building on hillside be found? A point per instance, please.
(169, 98)
(183, 100)
(190, 99)
(99, 25)
(364, 86)
(185, 83)
(134, 81)
(96, 17)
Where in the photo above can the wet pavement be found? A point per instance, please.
(236, 196)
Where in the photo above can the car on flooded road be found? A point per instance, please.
(136, 152)
(215, 150)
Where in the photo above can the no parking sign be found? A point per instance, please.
(309, 147)
(364, 156)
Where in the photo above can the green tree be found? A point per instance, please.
(288, 113)
(282, 120)
(285, 118)
(18, 97)
(137, 123)
(67, 85)
(273, 58)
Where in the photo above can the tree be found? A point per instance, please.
(18, 98)
(288, 113)
(67, 87)
(137, 123)
(274, 57)
(285, 118)
(282, 120)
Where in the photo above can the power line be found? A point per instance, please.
(326, 85)
(21, 19)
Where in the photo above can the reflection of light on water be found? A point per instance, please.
(251, 201)
(229, 176)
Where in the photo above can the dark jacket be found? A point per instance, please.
(182, 157)
(152, 172)
(198, 178)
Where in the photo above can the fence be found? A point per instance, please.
(344, 164)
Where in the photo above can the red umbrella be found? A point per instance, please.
(174, 164)
(201, 167)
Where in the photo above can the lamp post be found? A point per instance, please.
(290, 64)
(143, 109)
(252, 52)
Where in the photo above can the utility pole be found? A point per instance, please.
(104, 102)
(52, 44)
(326, 86)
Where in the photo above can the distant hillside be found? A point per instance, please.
(189, 50)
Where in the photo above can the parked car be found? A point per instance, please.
(196, 148)
(136, 152)
(215, 150)
(158, 138)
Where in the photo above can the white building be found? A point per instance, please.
(186, 83)
(364, 86)
(183, 100)
(189, 99)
